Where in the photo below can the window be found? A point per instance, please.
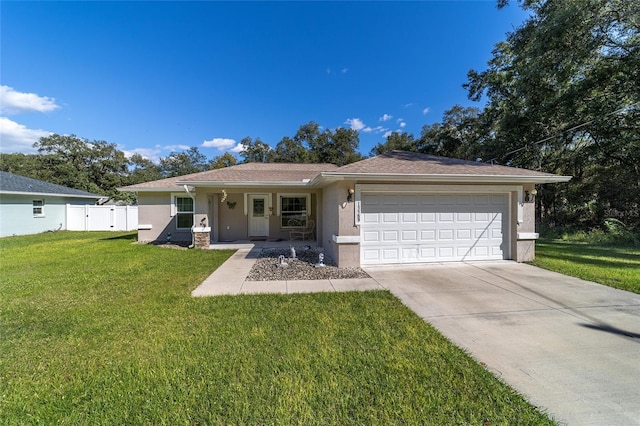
(293, 208)
(184, 212)
(38, 208)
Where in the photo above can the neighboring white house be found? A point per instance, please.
(31, 206)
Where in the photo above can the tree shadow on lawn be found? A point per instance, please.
(604, 263)
(575, 249)
(128, 237)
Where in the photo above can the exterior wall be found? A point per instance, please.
(339, 220)
(231, 224)
(526, 247)
(338, 215)
(334, 216)
(154, 210)
(16, 214)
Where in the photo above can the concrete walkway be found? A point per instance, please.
(230, 278)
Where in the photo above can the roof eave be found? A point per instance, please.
(227, 184)
(53, 194)
(328, 177)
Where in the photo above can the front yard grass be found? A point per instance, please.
(97, 330)
(617, 267)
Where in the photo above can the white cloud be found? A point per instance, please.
(385, 117)
(237, 149)
(13, 102)
(151, 154)
(402, 124)
(387, 134)
(173, 147)
(426, 111)
(221, 143)
(17, 137)
(377, 129)
(410, 104)
(355, 124)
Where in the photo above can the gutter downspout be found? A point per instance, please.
(193, 241)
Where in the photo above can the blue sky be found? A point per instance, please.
(157, 77)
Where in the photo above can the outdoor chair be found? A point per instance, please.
(303, 232)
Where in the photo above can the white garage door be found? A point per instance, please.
(405, 228)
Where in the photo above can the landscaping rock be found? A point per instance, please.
(303, 267)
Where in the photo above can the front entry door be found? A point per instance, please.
(258, 216)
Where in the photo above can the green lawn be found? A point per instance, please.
(613, 266)
(97, 330)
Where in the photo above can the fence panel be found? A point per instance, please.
(102, 218)
(76, 218)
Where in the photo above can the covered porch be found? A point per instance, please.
(258, 216)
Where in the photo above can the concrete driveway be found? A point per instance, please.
(571, 346)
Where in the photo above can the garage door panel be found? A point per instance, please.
(433, 228)
(410, 254)
(427, 235)
(410, 236)
(408, 200)
(370, 255)
(481, 251)
(463, 217)
(428, 254)
(463, 234)
(370, 218)
(427, 218)
(480, 199)
(445, 252)
(445, 234)
(445, 217)
(390, 236)
(391, 254)
(409, 217)
(392, 200)
(371, 236)
(390, 217)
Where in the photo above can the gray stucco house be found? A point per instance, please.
(398, 207)
(31, 206)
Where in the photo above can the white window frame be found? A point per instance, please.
(175, 213)
(41, 207)
(279, 212)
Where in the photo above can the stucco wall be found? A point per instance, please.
(16, 214)
(339, 220)
(526, 248)
(154, 208)
(231, 224)
(227, 218)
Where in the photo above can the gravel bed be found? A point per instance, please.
(301, 268)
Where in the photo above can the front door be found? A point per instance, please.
(258, 215)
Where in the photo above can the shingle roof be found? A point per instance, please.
(256, 173)
(412, 163)
(12, 183)
(395, 164)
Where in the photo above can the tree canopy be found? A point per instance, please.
(562, 95)
(308, 145)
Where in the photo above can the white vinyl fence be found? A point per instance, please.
(102, 218)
